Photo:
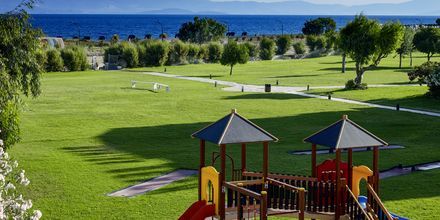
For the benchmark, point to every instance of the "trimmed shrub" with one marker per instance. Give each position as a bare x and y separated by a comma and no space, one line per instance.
129,54
193,52
215,51
203,53
283,44
300,47
267,48
321,42
351,85
54,61
178,53
75,58
141,54
252,49
156,52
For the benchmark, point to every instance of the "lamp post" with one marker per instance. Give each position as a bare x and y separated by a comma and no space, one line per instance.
79,30
161,26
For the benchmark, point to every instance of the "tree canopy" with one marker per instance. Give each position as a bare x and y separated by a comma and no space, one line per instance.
359,40
427,40
20,67
234,54
319,26
201,30
389,39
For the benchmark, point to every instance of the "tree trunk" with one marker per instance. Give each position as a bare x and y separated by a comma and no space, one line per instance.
230,73
429,58
400,60
344,57
410,59
359,74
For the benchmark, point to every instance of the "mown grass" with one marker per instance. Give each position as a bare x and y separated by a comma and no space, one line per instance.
90,134
323,71
406,96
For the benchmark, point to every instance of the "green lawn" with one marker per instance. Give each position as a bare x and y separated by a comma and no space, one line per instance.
90,134
323,71
406,96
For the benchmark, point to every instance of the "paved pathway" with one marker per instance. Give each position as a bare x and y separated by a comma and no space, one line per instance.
232,86
153,184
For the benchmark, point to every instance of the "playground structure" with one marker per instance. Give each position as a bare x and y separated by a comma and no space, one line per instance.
332,192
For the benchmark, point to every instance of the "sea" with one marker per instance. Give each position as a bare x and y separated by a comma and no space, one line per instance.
94,26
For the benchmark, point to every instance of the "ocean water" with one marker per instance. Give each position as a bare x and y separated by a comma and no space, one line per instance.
94,26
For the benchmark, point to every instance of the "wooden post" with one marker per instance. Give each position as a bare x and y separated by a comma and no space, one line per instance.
338,184
222,189
263,208
201,165
350,168
243,158
376,169
314,160
265,164
239,207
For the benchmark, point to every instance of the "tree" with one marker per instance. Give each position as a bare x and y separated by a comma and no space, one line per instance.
359,41
427,40
319,26
283,44
428,73
267,47
233,54
390,38
201,30
114,39
407,45
20,69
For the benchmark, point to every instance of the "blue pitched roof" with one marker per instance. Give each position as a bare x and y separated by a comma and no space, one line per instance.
233,129
345,134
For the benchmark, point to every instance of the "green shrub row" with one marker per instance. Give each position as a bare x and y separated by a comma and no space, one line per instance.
68,59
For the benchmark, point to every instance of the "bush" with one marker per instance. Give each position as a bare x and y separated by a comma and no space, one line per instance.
300,47
203,53
193,52
215,51
54,61
141,54
156,53
428,73
321,42
178,53
351,85
114,39
129,54
283,44
267,47
252,49
75,58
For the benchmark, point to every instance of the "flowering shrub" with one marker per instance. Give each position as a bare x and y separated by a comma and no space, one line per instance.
12,203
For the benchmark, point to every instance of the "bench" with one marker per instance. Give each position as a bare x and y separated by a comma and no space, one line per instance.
156,86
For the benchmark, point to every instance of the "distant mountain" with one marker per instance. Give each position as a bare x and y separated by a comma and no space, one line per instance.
287,7
177,11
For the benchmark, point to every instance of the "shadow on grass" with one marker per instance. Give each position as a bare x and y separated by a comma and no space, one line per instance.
139,89
379,68
294,76
140,152
276,96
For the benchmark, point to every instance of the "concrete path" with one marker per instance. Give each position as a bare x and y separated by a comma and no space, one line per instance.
153,184
236,87
398,171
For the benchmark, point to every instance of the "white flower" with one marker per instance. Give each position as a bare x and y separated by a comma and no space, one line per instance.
6,156
9,186
1,143
37,215
15,165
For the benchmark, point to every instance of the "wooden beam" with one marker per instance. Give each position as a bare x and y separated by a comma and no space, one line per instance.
243,158
350,168
201,165
338,184
314,160
222,182
265,163
376,168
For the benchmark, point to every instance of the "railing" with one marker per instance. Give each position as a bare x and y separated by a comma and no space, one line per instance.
249,204
354,209
376,206
294,201
319,197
